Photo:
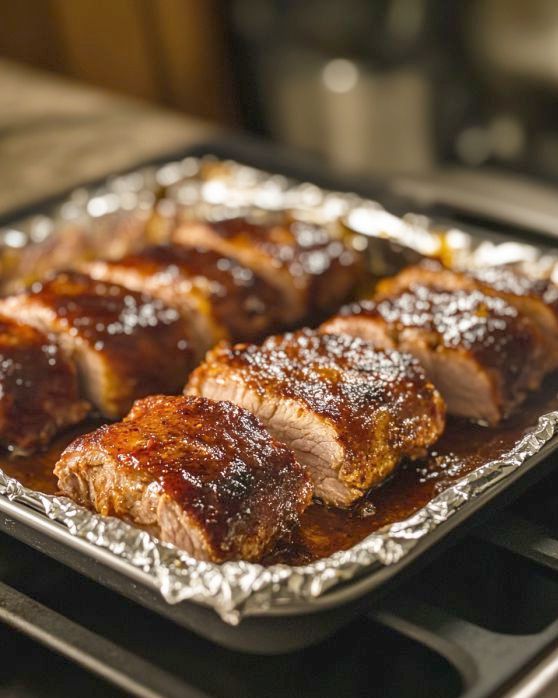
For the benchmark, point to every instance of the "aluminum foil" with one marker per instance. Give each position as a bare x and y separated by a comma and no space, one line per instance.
237,589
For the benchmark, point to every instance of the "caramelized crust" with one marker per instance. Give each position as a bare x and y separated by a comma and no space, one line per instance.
312,271
480,334
203,475
220,296
501,279
534,297
38,388
126,344
349,412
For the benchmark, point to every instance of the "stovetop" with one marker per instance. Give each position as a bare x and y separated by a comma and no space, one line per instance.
476,622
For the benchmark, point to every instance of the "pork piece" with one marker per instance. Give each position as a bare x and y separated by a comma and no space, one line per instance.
112,235
39,393
478,350
203,475
535,298
220,297
126,344
350,413
313,272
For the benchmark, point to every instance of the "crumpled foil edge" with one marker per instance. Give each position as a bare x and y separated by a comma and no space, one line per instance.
237,589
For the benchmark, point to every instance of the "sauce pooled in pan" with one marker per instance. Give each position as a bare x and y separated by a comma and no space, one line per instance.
323,531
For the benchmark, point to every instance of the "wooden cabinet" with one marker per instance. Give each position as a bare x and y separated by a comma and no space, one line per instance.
168,51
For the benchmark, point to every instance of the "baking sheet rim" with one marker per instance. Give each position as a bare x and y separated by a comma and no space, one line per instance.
237,589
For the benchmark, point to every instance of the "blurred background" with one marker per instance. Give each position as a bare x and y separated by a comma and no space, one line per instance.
372,86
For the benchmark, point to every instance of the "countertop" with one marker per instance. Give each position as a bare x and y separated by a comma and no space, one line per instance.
56,133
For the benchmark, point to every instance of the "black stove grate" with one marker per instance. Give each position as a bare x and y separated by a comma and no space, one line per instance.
471,624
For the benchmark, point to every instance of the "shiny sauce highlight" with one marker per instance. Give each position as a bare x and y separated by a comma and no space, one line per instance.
324,530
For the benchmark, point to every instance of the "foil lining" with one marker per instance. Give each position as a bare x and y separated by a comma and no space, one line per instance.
237,589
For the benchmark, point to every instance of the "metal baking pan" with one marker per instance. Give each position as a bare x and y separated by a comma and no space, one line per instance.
285,609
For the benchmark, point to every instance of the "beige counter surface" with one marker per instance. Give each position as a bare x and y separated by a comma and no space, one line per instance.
55,133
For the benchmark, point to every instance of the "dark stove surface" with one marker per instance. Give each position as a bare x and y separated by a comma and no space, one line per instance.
475,618
364,655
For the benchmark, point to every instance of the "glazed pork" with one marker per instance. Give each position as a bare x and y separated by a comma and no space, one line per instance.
312,272
350,413
126,344
203,475
537,298
39,392
478,350
218,296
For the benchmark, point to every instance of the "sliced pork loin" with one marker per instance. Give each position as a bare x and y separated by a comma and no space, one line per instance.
537,298
478,350
203,475
220,297
39,392
312,272
126,344
349,412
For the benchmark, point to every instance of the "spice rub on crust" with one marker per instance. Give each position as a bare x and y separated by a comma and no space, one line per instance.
312,271
536,298
126,344
478,350
204,475
220,297
348,411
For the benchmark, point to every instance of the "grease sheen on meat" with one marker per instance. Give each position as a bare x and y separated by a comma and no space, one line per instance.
203,475
219,296
478,350
312,271
126,344
39,393
349,412
537,298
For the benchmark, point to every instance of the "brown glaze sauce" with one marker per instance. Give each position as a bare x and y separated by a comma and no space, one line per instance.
323,531
463,448
38,388
237,486
241,300
487,327
35,471
344,380
144,343
306,249
508,279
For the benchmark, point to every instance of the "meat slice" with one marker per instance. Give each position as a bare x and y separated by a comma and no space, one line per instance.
220,297
349,412
203,475
39,393
478,350
313,272
110,235
534,297
126,344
